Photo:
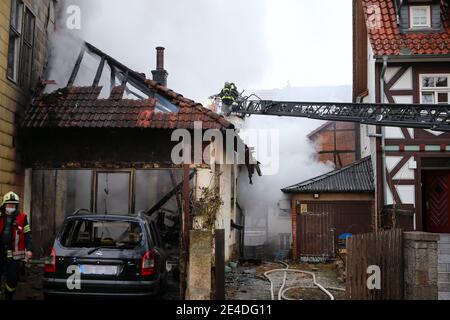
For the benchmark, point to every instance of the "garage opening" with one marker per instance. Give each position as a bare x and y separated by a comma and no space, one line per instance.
57,194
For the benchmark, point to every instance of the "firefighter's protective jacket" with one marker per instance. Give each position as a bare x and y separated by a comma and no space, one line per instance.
229,93
18,241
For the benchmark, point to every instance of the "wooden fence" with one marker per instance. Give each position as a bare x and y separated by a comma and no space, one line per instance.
382,249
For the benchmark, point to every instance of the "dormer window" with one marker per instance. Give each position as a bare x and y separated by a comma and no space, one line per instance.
420,17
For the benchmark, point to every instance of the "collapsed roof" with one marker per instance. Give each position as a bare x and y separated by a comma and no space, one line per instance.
156,106
131,102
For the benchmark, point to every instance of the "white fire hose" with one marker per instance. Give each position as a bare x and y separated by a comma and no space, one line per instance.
282,291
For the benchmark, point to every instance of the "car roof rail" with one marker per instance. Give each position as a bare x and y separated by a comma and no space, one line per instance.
81,210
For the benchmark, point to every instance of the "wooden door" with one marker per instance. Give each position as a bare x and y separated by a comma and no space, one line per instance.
315,236
437,201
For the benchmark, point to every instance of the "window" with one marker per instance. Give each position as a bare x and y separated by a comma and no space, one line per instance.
435,89
27,49
15,32
21,43
420,16
91,233
77,194
113,192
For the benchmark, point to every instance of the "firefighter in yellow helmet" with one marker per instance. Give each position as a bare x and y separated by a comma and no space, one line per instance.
15,242
229,94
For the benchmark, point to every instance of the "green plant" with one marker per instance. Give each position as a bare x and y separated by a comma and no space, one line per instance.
207,206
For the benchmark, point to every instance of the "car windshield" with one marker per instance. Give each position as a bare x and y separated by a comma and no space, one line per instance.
88,233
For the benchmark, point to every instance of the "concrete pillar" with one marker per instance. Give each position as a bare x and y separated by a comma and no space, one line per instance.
199,269
420,265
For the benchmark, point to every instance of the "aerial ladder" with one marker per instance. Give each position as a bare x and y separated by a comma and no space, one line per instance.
434,117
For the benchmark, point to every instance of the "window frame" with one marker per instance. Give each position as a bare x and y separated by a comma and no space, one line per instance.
95,186
29,44
16,32
434,90
411,17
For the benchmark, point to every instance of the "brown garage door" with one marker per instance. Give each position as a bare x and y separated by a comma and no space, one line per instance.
319,224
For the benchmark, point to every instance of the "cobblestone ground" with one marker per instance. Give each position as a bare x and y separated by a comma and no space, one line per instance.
247,282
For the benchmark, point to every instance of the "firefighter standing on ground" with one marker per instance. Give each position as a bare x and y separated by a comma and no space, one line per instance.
15,242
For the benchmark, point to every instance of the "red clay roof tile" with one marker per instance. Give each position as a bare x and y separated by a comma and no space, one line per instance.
386,38
80,107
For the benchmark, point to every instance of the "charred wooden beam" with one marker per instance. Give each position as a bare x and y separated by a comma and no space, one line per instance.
98,75
168,196
113,78
125,78
136,79
76,68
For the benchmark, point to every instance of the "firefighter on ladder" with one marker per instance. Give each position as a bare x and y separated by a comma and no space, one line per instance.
15,242
229,94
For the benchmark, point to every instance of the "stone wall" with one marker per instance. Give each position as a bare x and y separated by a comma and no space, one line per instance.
444,267
420,252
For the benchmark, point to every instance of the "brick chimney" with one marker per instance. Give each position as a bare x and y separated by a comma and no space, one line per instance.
160,75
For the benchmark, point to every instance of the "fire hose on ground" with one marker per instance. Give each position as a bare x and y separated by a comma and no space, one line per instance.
282,292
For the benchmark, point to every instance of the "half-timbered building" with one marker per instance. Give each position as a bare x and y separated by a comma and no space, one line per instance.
402,55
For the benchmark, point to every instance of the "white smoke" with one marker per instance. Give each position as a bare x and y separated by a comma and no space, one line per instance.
297,162
210,42
207,42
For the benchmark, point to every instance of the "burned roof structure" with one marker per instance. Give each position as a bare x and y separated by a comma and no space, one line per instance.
156,105
119,119
355,178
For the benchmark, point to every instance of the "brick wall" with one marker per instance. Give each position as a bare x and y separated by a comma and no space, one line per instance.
336,143
13,98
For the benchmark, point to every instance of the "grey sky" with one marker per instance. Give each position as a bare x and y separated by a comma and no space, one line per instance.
256,43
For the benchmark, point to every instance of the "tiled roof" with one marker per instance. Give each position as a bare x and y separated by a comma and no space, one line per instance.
387,39
357,177
80,107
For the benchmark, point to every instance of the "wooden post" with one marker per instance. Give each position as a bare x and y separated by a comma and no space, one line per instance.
184,237
186,205
220,264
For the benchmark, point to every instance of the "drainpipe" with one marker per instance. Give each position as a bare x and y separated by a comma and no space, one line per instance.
383,132
381,136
